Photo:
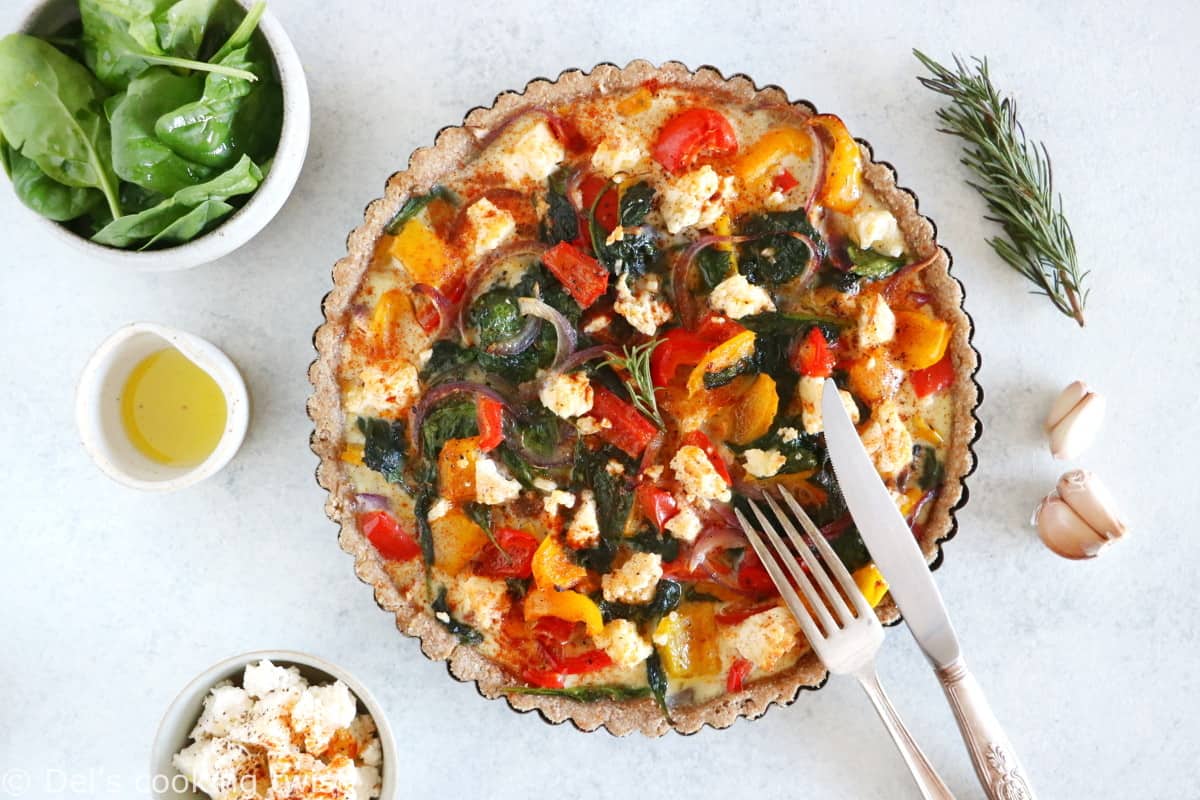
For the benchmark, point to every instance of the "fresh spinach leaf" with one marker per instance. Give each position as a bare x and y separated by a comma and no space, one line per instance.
181,27
51,112
633,254
243,178
803,451
585,694
745,366
693,595
384,446
714,265
204,130
793,325
448,359
636,202
441,611
453,418
775,256
243,32
851,548
495,317
416,204
656,677
871,265
43,194
521,471
598,559
139,156
927,467
614,500
421,505
195,222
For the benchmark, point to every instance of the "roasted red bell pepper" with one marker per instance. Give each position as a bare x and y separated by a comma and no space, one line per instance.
393,543
606,209
489,414
701,440
785,181
753,577
515,560
582,276
691,134
591,661
656,505
678,348
717,328
627,429
813,356
933,379
738,671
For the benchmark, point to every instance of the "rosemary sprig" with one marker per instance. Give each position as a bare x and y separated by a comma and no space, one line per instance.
1015,179
636,361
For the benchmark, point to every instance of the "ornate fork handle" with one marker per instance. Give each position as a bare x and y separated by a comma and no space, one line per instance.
995,760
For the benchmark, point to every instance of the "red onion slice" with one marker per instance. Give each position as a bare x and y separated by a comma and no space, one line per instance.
581,357
435,396
438,301
715,539
818,173
371,502
567,339
480,275
519,343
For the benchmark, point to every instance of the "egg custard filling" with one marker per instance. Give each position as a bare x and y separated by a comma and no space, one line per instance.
572,358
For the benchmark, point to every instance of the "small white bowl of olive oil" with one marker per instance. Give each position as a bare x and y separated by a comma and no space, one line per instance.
159,409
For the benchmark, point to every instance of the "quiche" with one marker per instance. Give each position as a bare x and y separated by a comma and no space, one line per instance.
583,327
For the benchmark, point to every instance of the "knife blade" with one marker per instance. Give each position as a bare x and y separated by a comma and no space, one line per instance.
893,547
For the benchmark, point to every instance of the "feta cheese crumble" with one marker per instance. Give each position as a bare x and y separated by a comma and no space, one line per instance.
763,463
685,525
567,394
383,390
699,478
490,226
618,152
642,307
530,154
491,487
736,297
276,736
876,229
695,199
623,644
634,581
584,530
810,390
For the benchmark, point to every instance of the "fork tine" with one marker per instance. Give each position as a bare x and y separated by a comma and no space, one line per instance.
829,556
815,603
807,624
821,573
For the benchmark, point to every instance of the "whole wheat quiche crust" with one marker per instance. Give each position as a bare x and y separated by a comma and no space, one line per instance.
452,148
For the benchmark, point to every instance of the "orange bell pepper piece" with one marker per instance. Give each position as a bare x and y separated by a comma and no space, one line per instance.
456,470
753,414
920,341
553,567
757,162
843,165
385,321
422,252
568,605
456,541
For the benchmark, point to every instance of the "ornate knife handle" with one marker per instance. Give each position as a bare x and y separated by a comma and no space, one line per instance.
995,760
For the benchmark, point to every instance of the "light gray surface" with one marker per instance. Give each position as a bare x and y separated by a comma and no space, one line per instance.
113,600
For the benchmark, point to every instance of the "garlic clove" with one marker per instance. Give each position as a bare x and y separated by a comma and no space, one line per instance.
1072,434
1088,497
1065,532
1066,400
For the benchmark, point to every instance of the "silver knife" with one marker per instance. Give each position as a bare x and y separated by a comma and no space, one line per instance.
895,552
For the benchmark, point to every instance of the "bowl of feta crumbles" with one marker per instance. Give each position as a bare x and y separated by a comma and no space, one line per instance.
274,724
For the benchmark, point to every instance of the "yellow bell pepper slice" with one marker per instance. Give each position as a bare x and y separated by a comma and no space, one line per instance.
687,641
769,150
568,605
923,430
385,321
871,583
723,356
422,252
353,454
456,470
724,227
636,103
843,165
920,341
456,541
753,414
553,567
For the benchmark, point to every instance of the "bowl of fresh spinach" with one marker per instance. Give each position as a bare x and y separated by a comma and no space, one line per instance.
158,134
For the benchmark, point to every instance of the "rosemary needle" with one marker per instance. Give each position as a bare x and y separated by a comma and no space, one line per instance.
1014,177
636,361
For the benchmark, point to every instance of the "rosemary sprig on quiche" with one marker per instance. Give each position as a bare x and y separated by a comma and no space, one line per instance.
1015,178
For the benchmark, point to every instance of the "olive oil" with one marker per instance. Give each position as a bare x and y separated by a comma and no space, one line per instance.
172,410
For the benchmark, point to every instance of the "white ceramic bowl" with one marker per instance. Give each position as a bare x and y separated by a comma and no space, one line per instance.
98,406
260,208
181,717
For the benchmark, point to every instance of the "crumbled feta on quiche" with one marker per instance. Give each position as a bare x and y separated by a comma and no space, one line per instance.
634,581
278,735
876,322
765,638
876,229
617,153
763,463
623,644
695,199
490,226
642,306
567,394
491,487
736,297
887,439
584,530
698,477
530,153
685,525
810,389
383,390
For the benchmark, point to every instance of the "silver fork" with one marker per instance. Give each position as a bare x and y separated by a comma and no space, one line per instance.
847,645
